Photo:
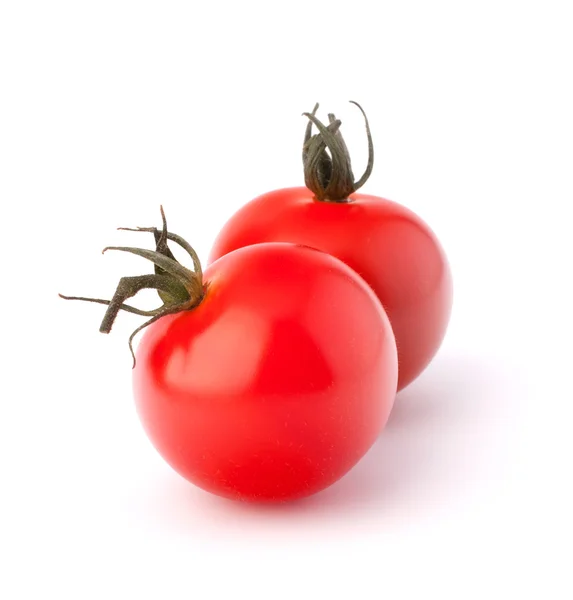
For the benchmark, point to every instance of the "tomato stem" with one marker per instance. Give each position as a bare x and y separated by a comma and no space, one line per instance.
178,287
328,174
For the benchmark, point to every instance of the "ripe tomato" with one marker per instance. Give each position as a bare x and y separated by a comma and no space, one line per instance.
387,244
266,378
276,383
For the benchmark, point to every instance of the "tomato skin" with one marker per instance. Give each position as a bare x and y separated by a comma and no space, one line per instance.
387,244
277,383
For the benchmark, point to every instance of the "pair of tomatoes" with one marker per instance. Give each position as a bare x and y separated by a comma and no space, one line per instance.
269,376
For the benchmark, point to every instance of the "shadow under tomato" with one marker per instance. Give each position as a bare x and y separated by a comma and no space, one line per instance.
444,431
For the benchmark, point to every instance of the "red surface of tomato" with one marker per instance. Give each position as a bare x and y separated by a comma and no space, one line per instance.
387,244
277,383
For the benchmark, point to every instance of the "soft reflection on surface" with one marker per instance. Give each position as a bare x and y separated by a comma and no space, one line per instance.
236,361
295,363
351,353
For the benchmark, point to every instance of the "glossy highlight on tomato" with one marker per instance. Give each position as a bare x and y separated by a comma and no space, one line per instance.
276,383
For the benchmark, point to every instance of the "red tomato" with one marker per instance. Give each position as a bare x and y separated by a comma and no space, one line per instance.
387,244
277,383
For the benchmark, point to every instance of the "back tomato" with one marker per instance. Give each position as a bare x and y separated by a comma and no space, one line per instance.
387,244
277,383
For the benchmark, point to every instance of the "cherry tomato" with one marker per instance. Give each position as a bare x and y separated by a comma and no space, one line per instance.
387,244
276,383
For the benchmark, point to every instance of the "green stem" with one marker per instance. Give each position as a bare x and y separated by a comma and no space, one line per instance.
328,174
179,288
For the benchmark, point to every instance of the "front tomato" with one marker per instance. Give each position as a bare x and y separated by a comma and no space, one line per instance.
277,383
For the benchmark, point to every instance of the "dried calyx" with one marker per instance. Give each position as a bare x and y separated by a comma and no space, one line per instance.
178,287
329,173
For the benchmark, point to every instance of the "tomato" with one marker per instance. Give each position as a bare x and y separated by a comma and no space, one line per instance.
387,244
267,377
276,383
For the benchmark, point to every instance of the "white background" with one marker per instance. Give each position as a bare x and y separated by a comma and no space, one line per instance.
108,109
